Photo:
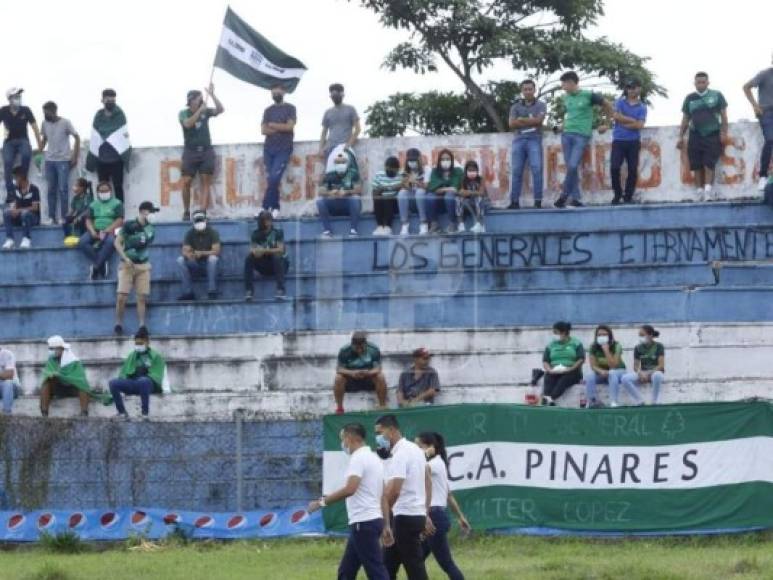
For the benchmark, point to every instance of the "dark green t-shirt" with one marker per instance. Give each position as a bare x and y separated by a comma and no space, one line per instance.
198,135
269,240
705,112
564,353
202,241
80,203
648,354
136,241
104,213
350,360
601,359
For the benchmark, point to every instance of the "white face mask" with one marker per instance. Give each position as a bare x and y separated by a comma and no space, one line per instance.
643,340
140,348
602,339
51,352
104,195
413,165
341,168
445,164
472,175
200,226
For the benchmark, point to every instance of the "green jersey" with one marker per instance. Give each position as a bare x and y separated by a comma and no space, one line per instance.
198,135
648,355
601,359
564,353
268,240
705,111
136,241
350,360
579,111
104,213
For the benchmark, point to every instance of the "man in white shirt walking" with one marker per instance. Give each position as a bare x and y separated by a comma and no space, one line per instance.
408,495
365,505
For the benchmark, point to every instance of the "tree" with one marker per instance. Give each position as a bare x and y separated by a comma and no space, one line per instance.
538,38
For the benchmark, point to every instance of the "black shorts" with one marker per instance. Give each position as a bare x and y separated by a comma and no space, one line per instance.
198,160
359,385
703,151
60,390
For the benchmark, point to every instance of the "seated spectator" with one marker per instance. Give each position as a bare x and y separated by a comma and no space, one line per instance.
9,379
419,383
104,218
64,376
22,209
143,372
386,184
200,256
340,191
133,246
649,365
267,255
562,361
413,193
606,366
444,184
473,198
80,204
359,369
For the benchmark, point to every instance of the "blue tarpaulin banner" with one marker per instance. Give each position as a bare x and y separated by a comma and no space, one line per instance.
154,523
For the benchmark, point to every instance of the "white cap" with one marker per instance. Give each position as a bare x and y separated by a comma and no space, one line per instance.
13,91
57,341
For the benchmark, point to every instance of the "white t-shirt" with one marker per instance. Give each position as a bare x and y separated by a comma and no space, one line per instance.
365,504
8,362
439,482
409,464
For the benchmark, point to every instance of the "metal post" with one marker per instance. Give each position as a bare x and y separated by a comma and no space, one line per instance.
239,486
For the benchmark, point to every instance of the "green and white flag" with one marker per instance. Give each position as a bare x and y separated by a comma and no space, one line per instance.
250,57
662,469
70,371
110,129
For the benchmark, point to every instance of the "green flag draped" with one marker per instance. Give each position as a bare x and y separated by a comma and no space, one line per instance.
73,373
155,364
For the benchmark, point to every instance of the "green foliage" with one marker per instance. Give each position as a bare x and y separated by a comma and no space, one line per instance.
49,572
65,543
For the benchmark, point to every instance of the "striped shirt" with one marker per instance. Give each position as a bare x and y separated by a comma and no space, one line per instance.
387,186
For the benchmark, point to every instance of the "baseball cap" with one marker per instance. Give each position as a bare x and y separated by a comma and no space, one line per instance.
632,83
13,91
421,352
57,341
148,206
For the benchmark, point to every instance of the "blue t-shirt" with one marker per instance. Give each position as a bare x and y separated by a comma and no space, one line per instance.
637,111
279,113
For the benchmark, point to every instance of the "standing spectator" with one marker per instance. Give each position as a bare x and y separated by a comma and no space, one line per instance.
59,158
198,154
80,206
359,369
143,372
109,146
473,198
630,116
278,126
763,110
704,113
408,495
268,256
363,492
340,192
105,217
200,256
526,118
15,118
340,124
419,383
385,187
606,366
9,379
444,184
562,360
434,447
413,192
65,376
577,133
133,245
649,365
22,209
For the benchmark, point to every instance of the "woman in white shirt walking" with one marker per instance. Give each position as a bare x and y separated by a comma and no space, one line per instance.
434,447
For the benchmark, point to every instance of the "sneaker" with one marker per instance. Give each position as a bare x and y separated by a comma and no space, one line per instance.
699,194
477,228
186,297
105,270
275,213
353,233
85,413
560,203
92,273
280,293
121,417
423,229
404,231
762,183
379,231
326,235
452,228
44,413
628,199
536,375
514,205
144,418
118,330
26,243
212,295
462,228
248,297
576,203
434,228
340,411
710,195
186,216
538,204
616,200
8,245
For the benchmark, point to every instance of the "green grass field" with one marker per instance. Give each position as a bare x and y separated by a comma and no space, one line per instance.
483,557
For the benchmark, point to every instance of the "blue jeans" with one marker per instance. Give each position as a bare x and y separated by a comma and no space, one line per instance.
592,379
766,123
276,163
10,392
573,146
142,387
412,197
437,543
631,383
26,219
437,202
58,178
363,549
526,149
12,148
339,206
192,268
99,255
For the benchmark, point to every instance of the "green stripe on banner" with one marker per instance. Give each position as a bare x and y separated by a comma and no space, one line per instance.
639,469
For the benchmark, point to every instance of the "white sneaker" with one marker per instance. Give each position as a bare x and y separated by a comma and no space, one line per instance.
379,231
326,235
477,228
404,230
25,244
353,233
423,229
8,245
275,214
709,193
460,228
699,194
762,184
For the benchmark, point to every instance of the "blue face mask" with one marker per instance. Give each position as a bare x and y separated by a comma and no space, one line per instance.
382,442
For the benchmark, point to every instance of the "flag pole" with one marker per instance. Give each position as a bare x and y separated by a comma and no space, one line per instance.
211,76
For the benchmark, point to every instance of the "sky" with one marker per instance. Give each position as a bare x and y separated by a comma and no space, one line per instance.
152,53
